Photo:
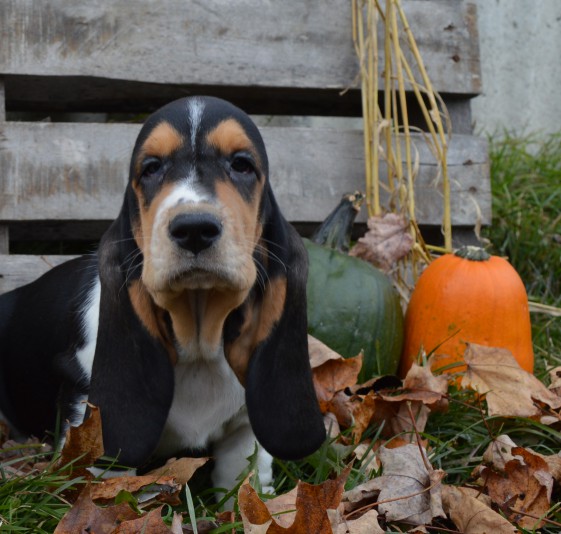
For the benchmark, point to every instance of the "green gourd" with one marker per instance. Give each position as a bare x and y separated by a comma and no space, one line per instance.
352,306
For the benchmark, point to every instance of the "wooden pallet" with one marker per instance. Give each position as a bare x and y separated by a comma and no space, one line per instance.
63,180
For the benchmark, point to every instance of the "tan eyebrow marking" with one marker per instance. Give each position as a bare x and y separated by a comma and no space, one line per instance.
229,137
163,140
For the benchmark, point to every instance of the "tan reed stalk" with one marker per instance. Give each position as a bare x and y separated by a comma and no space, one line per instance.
393,128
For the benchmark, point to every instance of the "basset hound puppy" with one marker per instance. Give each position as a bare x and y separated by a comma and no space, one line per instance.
187,328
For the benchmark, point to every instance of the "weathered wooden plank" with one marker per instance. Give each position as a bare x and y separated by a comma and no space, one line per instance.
18,270
294,43
4,230
71,171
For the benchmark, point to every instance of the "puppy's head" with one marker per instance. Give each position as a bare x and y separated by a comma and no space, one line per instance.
204,250
198,173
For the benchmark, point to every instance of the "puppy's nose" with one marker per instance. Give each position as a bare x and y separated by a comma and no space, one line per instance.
195,232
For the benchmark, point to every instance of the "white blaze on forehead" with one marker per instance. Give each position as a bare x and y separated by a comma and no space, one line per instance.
195,108
185,192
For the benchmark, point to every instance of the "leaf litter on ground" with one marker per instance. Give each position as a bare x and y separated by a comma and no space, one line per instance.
389,481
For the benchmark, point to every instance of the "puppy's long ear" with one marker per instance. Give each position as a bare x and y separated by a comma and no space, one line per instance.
281,401
132,376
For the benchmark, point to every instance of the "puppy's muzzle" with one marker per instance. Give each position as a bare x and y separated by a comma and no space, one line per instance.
195,232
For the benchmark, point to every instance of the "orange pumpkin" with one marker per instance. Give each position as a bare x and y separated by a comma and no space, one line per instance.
469,296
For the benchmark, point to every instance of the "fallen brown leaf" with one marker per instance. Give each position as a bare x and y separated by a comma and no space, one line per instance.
471,515
84,442
386,241
523,488
365,524
555,378
333,376
421,379
500,451
181,469
85,516
162,488
320,352
408,490
283,508
151,523
509,390
313,506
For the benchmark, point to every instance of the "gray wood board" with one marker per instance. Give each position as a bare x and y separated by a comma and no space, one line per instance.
294,43
18,270
72,171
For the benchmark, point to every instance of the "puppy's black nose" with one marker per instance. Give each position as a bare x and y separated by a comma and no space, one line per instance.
195,231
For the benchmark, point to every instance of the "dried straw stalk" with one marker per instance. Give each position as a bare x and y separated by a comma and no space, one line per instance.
387,135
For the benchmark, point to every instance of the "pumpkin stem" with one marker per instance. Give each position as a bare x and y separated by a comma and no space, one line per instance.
472,253
335,231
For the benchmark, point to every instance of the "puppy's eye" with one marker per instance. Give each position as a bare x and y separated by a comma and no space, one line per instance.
151,167
242,164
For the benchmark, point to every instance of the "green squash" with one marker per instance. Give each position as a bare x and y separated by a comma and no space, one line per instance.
352,306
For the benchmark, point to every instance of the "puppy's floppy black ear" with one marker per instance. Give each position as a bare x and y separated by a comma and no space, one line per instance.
280,396
132,376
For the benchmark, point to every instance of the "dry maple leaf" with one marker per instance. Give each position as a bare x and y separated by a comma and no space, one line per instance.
509,390
524,487
471,515
312,504
386,241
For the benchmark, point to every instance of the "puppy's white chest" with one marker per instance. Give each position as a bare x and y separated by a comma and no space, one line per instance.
207,395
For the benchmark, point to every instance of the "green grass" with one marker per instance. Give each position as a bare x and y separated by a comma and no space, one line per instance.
526,185
34,502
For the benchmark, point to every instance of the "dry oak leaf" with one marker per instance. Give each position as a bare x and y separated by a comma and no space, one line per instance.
85,516
509,390
471,515
163,488
181,469
523,488
408,490
84,442
312,504
386,241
